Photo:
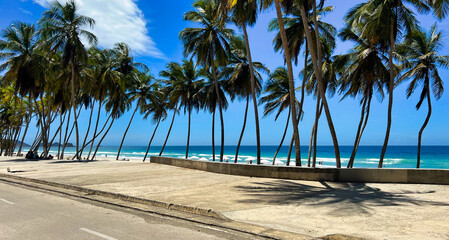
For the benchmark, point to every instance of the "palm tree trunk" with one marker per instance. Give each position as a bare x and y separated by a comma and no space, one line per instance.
72,84
316,60
315,132
253,91
213,135
283,137
290,81
102,138
88,130
126,131
364,125
151,140
429,112
290,151
220,106
61,122
357,135
310,145
24,134
390,93
96,127
243,129
188,132
169,130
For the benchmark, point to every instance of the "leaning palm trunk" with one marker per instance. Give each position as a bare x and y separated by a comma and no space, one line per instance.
188,132
310,146
213,135
88,130
359,136
290,81
24,134
220,106
253,92
126,132
243,129
283,137
96,127
61,156
317,63
315,132
72,84
102,138
61,122
169,130
290,151
151,140
359,128
390,94
429,112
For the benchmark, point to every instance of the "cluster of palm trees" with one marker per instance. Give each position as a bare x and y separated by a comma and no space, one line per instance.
50,74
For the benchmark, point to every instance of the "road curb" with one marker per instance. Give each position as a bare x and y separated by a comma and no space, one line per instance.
154,203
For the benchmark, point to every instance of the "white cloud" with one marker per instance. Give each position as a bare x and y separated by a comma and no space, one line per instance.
117,21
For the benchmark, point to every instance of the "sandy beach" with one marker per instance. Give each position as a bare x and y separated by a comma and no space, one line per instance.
372,211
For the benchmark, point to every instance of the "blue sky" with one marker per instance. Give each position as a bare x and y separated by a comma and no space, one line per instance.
151,28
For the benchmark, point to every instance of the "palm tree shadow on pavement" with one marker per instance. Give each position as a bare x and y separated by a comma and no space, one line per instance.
348,198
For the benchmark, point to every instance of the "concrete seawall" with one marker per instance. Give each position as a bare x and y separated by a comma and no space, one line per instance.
374,175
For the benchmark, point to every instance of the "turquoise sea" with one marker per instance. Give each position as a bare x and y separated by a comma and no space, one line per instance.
367,156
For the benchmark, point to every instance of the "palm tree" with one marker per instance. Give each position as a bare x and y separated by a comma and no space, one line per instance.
208,43
329,83
277,98
139,91
440,8
364,74
239,75
288,59
183,83
294,28
157,106
387,19
244,12
422,61
104,76
209,99
63,28
22,60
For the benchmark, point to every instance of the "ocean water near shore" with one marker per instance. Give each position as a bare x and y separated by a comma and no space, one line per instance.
367,156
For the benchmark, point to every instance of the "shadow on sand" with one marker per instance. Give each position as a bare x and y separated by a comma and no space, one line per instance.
348,198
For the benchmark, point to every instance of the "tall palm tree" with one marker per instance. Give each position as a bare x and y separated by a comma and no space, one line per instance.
21,59
364,73
102,70
244,12
239,75
422,61
209,43
387,19
277,99
138,92
183,82
62,25
209,99
294,28
157,106
329,83
288,59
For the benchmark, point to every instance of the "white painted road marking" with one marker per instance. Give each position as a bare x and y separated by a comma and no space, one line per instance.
6,201
97,234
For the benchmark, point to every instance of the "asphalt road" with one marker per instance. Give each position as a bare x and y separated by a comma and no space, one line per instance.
29,214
